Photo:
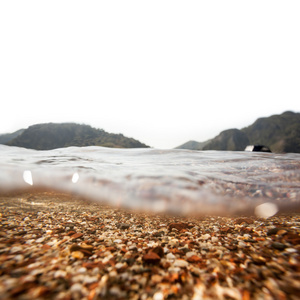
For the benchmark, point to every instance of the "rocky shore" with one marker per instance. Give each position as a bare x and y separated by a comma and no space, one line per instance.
55,246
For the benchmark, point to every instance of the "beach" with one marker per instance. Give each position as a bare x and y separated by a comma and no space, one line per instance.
58,246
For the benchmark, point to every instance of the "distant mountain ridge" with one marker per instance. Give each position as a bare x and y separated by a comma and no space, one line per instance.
5,138
193,145
59,135
281,133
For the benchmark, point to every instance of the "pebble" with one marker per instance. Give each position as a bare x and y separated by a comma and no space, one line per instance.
214,239
180,263
76,287
60,273
205,237
117,241
40,240
205,258
151,258
158,296
189,254
242,244
278,246
123,226
170,256
173,242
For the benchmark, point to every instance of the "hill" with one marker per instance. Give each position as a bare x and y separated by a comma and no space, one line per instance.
231,139
281,133
51,136
193,145
5,138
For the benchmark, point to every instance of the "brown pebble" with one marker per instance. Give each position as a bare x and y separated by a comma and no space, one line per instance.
77,254
151,258
85,249
76,235
159,251
123,226
243,220
278,246
179,226
194,259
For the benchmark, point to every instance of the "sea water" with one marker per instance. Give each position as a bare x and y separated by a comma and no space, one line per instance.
176,181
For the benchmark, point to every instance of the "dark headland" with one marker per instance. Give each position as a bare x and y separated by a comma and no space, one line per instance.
281,133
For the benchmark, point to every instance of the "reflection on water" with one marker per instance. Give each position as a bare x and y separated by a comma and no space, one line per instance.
160,180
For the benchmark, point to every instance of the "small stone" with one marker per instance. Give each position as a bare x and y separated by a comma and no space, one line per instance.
189,254
120,265
273,231
243,220
40,240
123,226
158,234
117,241
82,270
60,273
116,292
159,251
278,246
77,254
76,235
156,278
205,237
214,239
170,256
181,263
173,242
151,258
291,250
194,259
39,292
242,244
281,232
158,296
76,287
258,260
179,226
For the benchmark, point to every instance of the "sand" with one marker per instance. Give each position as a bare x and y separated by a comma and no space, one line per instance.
56,246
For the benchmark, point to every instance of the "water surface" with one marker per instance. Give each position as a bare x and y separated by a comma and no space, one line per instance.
180,181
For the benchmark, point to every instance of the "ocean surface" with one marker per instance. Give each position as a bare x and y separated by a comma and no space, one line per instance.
172,181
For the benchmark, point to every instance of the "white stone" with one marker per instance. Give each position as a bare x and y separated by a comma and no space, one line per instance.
170,256
82,270
180,263
76,287
205,237
40,240
191,253
158,296
242,244
60,273
173,242
117,241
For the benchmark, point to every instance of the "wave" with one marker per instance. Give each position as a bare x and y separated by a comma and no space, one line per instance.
176,181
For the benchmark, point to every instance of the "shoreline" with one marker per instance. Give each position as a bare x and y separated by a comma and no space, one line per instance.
58,246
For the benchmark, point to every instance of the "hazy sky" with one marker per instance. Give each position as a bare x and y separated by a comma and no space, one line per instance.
163,72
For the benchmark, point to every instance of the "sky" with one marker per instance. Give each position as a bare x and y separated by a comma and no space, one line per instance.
162,72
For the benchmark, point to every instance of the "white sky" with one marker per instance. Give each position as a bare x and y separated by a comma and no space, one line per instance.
163,72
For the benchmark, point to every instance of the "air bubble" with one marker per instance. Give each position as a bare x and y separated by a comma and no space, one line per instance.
75,177
266,210
27,176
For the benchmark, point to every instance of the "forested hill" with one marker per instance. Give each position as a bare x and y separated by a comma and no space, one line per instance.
281,133
58,135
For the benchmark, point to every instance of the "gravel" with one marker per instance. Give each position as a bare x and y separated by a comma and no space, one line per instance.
60,247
